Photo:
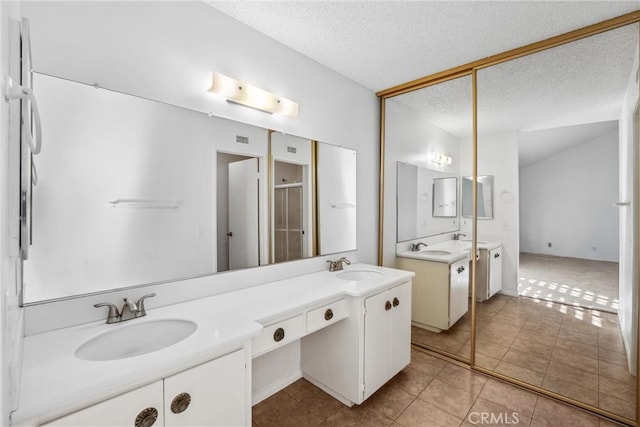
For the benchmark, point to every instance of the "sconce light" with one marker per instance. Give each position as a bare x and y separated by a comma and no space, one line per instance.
440,159
238,92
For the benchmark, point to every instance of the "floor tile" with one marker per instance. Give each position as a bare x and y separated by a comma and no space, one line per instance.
526,360
573,375
509,396
573,391
449,398
486,412
550,413
424,414
520,373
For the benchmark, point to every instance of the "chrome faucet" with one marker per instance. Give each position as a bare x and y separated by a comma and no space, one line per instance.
456,236
415,247
337,265
130,310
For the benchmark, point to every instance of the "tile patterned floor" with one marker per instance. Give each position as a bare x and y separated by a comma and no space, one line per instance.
572,351
429,392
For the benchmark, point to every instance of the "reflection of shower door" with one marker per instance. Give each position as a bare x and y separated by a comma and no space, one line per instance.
288,222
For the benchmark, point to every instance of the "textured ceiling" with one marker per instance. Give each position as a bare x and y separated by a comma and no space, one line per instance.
380,44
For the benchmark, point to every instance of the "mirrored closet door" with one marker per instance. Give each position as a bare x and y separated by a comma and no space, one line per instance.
542,146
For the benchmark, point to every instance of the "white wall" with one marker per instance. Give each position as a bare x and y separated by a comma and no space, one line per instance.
410,139
166,51
567,199
498,156
10,314
629,158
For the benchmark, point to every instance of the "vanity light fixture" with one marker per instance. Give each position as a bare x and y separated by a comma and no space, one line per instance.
441,159
238,92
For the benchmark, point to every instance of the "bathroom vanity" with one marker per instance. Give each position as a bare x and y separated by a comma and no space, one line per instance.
354,327
441,285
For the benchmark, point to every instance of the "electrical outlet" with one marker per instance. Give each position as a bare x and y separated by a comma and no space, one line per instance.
548,244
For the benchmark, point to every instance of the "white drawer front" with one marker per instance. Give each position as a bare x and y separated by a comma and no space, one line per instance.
327,315
278,334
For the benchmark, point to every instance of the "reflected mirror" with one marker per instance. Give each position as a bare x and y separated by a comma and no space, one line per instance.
556,129
131,191
427,142
485,197
424,195
445,197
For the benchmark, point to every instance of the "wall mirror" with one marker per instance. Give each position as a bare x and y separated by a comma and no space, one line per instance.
424,196
557,140
427,143
132,191
485,197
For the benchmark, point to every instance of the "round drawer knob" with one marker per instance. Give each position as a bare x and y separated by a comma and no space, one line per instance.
328,315
147,417
396,302
180,403
278,335
387,306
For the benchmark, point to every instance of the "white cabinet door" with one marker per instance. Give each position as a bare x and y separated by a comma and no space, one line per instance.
387,336
458,290
495,271
377,348
400,328
216,394
120,411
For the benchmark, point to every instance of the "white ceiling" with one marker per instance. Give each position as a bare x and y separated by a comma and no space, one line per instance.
538,145
380,44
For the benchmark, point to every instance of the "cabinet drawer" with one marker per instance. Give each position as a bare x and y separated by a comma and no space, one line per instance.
278,334
327,315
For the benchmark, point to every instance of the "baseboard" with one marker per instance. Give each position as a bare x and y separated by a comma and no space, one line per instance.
509,293
276,387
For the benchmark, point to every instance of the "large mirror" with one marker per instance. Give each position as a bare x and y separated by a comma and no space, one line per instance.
130,191
558,122
556,167
428,145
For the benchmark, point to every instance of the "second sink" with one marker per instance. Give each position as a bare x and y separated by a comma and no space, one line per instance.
136,339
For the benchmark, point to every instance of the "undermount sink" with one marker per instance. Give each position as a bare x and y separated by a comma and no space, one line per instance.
134,340
435,252
358,275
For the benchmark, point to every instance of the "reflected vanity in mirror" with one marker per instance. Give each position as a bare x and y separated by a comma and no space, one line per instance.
485,197
132,191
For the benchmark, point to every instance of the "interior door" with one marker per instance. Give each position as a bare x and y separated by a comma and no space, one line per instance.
243,214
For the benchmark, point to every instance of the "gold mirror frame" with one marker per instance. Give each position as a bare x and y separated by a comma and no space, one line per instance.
471,69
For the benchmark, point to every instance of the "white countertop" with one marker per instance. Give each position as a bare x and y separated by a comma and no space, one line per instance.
457,250
54,382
